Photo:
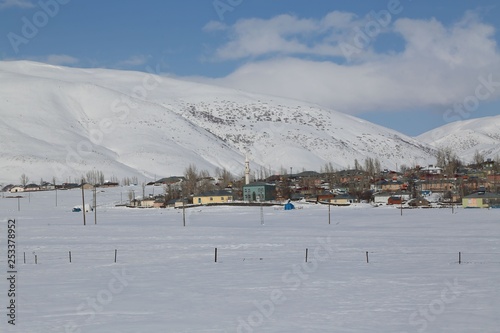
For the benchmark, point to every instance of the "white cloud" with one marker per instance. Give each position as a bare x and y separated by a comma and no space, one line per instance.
60,59
287,35
16,3
52,59
214,26
439,66
136,60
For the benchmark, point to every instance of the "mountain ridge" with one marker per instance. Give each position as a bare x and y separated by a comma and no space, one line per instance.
467,137
62,122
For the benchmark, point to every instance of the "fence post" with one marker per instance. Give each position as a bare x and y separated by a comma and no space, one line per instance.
307,250
24,255
367,259
70,257
36,259
459,258
115,254
215,254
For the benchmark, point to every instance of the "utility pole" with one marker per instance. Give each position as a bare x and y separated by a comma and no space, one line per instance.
401,199
83,205
55,187
329,218
95,204
183,212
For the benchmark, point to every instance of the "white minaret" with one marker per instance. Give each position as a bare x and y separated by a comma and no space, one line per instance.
247,171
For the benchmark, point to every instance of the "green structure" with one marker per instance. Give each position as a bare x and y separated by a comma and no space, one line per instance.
482,200
259,192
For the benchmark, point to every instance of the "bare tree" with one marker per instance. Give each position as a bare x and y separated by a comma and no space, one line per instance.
404,169
496,165
478,158
191,176
357,166
24,179
448,160
225,177
95,177
377,166
329,174
205,182
328,168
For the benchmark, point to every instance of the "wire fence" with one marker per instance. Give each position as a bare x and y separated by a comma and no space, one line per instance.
228,255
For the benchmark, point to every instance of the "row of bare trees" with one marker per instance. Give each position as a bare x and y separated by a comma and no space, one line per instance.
199,181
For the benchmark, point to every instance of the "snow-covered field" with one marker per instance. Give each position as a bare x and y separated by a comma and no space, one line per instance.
165,278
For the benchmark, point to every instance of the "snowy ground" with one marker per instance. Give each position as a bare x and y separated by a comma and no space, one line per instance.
166,280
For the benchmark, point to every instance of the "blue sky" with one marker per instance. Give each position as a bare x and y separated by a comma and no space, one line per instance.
409,65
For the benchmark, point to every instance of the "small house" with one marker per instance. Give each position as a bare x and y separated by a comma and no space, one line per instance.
7,188
385,197
87,186
381,197
160,202
109,184
147,203
16,189
46,186
31,188
481,199
69,186
432,170
325,197
176,203
393,185
343,200
395,200
213,197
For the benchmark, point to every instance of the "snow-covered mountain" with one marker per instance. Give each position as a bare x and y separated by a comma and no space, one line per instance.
63,122
467,136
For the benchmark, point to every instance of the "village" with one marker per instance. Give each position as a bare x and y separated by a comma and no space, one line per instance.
473,186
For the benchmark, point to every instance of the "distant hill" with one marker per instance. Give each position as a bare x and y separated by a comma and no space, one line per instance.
63,122
466,137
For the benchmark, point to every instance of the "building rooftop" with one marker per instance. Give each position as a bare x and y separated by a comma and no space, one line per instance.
487,195
215,194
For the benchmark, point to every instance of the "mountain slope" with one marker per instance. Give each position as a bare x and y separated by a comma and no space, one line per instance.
63,122
468,136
